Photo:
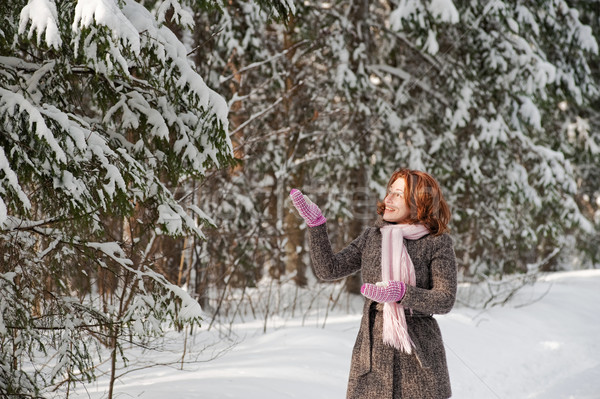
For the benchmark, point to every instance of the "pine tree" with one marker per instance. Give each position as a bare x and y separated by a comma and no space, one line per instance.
103,120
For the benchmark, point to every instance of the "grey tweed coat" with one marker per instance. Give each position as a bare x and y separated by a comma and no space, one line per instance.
379,371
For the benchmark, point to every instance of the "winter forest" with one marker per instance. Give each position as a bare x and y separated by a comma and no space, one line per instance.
147,150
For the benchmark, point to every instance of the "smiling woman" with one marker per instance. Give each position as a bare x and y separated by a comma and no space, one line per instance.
408,265
415,197
396,208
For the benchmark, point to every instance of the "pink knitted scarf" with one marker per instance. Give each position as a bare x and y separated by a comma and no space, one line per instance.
397,265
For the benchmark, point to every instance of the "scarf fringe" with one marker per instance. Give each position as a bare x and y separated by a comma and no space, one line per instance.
395,333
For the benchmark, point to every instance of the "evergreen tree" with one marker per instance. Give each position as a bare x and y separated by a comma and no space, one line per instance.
103,119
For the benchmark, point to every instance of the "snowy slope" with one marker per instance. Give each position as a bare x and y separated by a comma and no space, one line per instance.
544,344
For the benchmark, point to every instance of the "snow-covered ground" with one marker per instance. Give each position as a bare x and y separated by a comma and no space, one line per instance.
543,344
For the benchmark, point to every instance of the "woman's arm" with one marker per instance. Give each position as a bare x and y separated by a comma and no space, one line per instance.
440,298
329,266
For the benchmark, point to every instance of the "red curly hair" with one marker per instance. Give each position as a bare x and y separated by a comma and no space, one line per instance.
424,199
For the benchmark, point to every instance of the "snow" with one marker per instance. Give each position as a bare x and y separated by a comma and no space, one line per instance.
13,181
586,39
111,249
444,10
431,45
406,9
15,104
170,46
460,116
179,15
542,344
107,13
525,17
3,212
132,25
43,17
169,218
530,113
115,180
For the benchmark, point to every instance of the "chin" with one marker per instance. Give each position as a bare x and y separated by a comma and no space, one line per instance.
389,218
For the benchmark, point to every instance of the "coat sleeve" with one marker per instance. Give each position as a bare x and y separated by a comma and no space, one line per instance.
328,265
440,298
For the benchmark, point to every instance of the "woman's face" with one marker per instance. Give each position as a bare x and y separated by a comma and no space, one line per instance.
395,204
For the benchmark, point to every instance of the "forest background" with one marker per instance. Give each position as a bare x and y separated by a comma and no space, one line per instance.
147,151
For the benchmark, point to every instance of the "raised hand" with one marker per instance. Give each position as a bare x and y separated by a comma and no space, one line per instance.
309,211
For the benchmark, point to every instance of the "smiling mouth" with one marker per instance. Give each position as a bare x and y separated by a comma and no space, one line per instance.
387,209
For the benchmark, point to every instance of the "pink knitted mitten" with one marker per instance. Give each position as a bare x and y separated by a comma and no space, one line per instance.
392,291
307,209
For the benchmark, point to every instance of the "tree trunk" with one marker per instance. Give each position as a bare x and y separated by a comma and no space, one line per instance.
295,237
113,362
360,176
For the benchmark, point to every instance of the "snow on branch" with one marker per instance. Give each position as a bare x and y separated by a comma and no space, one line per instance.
202,215
171,51
106,13
111,249
444,10
586,39
16,105
11,178
43,18
175,219
179,16
406,9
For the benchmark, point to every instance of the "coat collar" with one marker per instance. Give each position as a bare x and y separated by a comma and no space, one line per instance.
379,223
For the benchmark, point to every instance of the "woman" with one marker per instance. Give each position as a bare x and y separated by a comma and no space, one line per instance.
408,267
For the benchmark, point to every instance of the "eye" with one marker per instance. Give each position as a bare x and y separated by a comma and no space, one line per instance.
395,194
